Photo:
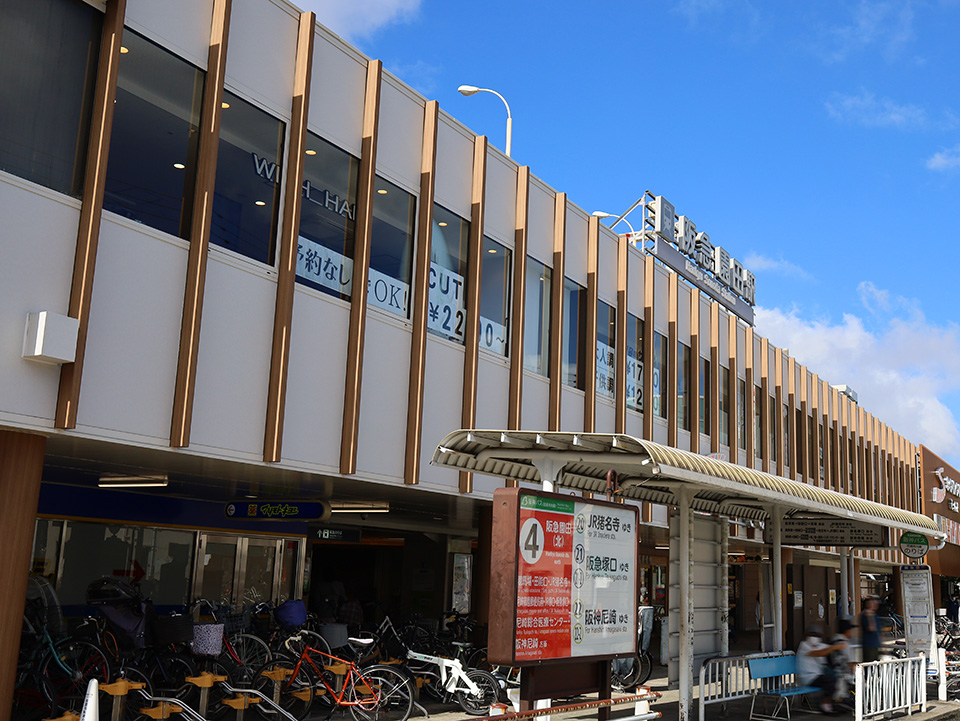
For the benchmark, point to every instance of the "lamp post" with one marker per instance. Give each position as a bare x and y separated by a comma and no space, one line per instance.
601,214
468,90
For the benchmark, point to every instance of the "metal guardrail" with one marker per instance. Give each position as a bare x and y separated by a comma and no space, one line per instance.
896,684
727,678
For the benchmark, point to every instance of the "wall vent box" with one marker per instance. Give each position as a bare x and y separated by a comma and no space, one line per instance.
50,338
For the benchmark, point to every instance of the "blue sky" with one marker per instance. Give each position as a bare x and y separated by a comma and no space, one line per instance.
818,142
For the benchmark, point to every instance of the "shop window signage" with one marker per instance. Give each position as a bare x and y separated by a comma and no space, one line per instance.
277,510
947,485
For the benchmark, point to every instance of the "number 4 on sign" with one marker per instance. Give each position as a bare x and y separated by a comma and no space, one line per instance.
531,540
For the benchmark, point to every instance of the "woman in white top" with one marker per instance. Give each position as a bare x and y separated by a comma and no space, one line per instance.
812,667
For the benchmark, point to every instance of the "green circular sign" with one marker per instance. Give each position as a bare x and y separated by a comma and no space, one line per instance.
914,545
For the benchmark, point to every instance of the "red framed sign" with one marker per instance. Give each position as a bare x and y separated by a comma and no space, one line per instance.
563,582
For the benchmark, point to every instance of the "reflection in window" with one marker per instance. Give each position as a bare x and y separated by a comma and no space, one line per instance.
447,313
683,387
495,296
536,331
153,144
246,202
391,248
328,218
786,435
704,399
724,406
772,405
634,363
606,349
757,425
659,375
742,413
575,334
48,68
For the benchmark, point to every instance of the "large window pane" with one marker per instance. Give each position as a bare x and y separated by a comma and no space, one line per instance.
786,436
659,375
606,349
683,387
247,196
705,391
153,144
448,272
574,334
742,413
772,421
724,391
634,363
536,331
495,296
391,248
757,411
48,68
328,218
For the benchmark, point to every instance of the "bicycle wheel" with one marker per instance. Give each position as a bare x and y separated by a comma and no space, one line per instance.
380,693
71,665
244,653
625,673
34,697
478,704
168,673
134,701
289,688
645,666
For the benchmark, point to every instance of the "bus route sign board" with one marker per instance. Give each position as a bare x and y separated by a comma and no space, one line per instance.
829,531
563,578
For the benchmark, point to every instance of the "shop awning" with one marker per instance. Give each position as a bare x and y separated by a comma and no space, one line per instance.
648,471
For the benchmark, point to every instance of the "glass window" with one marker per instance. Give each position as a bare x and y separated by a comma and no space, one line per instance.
634,363
246,201
683,387
820,452
536,332
450,237
757,426
46,549
724,406
391,248
801,452
742,413
48,66
772,405
328,218
659,375
153,144
495,265
786,435
574,334
705,392
606,349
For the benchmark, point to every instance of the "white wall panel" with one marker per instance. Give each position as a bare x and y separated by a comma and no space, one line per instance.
233,364
661,301
634,424
133,341
635,282
262,53
571,410
313,414
540,222
484,486
182,26
683,313
400,135
454,179
606,418
493,393
704,326
724,339
383,400
659,431
337,89
40,241
442,405
575,246
607,267
501,198
535,411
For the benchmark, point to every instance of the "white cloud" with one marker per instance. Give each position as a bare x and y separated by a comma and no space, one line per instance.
906,373
888,25
353,19
762,263
864,108
946,159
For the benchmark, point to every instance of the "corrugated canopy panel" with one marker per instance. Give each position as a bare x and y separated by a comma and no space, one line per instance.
648,471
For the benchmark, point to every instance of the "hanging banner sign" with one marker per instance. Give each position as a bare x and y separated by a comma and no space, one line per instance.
564,578
277,510
829,531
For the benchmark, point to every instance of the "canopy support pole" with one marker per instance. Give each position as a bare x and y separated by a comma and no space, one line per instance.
685,664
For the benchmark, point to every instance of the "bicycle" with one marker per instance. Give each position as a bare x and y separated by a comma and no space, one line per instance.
627,674
242,653
374,693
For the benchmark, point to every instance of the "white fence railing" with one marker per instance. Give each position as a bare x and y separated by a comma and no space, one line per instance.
725,678
898,684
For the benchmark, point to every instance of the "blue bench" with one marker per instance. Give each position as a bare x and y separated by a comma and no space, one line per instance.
777,675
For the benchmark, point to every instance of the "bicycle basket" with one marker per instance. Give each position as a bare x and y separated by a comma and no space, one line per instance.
236,622
208,639
173,629
291,614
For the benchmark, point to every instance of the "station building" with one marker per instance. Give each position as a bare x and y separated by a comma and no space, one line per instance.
251,279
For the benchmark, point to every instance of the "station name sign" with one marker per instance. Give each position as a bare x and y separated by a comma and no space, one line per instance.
277,510
675,241
563,578
829,532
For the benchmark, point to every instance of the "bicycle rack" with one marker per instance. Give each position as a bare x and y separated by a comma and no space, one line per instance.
249,694
204,682
119,690
168,706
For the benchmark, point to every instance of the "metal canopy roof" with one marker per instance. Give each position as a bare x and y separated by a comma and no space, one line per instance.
651,472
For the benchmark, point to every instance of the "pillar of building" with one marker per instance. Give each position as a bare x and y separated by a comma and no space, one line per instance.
21,467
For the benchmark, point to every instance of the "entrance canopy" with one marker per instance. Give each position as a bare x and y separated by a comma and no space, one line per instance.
648,471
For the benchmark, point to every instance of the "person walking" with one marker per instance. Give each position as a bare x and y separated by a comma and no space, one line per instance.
813,669
869,631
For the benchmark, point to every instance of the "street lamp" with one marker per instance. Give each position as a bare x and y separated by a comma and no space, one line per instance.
468,90
601,214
